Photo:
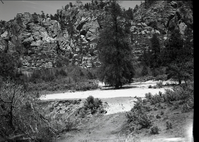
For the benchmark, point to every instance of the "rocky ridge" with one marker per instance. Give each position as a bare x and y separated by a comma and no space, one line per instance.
161,17
45,41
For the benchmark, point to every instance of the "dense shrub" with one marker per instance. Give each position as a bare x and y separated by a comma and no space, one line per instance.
148,95
21,117
91,107
141,116
155,99
7,66
144,70
154,130
94,105
62,79
159,84
87,85
178,93
139,119
138,116
168,125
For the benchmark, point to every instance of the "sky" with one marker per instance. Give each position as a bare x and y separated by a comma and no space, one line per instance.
10,8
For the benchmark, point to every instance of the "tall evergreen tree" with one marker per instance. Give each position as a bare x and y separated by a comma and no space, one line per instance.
114,51
178,56
155,52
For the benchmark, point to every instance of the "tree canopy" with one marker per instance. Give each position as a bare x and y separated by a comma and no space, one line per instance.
114,50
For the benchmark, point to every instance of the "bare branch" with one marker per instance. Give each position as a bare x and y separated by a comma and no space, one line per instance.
2,1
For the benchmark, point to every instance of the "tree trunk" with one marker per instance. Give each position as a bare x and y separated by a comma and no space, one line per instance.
179,81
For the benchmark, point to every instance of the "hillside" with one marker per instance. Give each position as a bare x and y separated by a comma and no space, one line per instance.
42,41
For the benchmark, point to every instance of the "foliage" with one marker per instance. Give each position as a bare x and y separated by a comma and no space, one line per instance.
180,71
84,86
128,13
94,105
142,114
178,56
145,58
154,130
155,99
138,116
144,70
154,52
114,50
179,93
159,84
7,66
168,125
61,79
148,96
61,114
21,118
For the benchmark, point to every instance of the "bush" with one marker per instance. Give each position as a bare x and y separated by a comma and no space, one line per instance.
62,79
168,125
154,130
159,84
87,85
161,77
7,66
180,93
148,96
138,115
155,99
21,115
139,119
144,71
94,105
61,72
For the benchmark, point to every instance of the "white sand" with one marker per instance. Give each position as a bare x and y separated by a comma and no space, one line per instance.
138,89
132,92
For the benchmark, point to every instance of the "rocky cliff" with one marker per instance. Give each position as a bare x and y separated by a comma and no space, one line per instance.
43,40
161,17
72,38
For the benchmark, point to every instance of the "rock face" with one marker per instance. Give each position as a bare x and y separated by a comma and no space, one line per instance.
161,17
44,40
74,36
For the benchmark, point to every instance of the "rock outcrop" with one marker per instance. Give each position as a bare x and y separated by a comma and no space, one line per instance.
161,17
74,34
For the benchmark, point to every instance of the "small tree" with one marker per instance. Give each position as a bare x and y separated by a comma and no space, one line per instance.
174,46
7,66
114,50
144,70
145,58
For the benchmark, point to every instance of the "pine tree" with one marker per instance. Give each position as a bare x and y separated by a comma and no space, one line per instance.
129,13
178,57
174,46
114,51
155,52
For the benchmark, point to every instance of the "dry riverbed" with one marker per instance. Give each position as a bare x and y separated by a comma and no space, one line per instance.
110,127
